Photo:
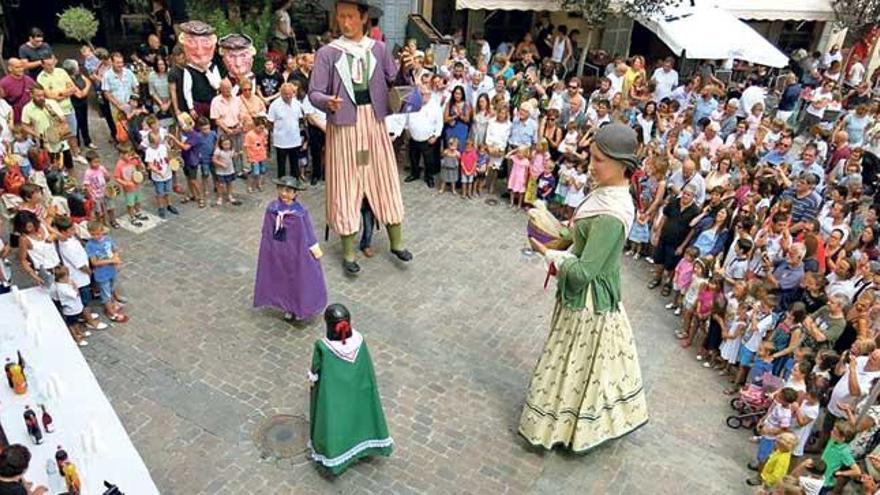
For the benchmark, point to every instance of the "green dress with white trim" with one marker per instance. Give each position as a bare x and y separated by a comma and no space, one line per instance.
346,418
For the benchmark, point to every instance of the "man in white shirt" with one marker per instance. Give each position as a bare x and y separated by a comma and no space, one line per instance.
665,79
858,374
480,84
617,76
856,74
687,175
425,128
832,56
285,113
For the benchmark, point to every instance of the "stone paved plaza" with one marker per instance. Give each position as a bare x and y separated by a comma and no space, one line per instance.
454,336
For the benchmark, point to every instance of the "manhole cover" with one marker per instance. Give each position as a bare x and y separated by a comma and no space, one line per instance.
282,436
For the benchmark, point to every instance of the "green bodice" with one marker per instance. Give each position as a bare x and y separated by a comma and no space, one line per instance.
598,244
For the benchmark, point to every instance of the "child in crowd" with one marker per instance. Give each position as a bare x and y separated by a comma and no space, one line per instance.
124,173
22,145
777,463
71,304
736,267
73,256
540,156
804,415
104,258
546,183
468,168
95,180
775,422
706,297
566,169
689,301
577,183
519,169
156,157
224,168
198,149
810,474
732,339
839,462
684,275
256,146
752,347
449,165
483,159
716,325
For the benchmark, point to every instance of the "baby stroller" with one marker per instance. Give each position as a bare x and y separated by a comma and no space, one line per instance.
753,401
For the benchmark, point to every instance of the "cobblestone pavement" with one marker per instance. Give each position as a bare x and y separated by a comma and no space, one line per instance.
454,336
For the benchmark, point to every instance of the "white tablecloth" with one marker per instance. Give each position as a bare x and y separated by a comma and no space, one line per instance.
80,410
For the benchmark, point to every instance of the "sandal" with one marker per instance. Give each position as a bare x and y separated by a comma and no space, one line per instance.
654,283
115,224
235,202
685,344
118,317
666,291
201,203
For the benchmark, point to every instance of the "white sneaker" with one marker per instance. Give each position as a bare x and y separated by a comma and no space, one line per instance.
670,306
677,312
95,316
83,343
99,326
649,259
288,316
87,333
636,256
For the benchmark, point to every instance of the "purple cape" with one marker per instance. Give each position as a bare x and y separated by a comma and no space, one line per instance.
288,276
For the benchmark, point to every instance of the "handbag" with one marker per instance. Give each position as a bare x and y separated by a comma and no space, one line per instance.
121,132
58,131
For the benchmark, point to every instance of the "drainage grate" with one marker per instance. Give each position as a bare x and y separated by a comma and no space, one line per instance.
282,436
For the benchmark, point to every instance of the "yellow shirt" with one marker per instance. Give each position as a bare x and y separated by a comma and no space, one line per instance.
56,82
629,78
40,119
776,467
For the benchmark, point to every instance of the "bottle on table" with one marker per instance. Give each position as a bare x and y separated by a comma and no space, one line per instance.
47,420
71,478
33,426
60,457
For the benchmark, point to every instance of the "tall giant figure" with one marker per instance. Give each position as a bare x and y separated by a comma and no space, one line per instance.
351,82
587,385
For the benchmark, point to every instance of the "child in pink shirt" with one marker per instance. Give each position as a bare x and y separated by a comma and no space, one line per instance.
684,274
468,169
540,156
95,181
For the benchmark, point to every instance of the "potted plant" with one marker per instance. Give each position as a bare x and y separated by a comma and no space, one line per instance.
78,23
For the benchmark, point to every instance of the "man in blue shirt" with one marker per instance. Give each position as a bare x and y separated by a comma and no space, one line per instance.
808,163
779,154
524,129
705,105
802,193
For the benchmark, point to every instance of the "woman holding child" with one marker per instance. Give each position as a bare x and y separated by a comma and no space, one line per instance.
587,386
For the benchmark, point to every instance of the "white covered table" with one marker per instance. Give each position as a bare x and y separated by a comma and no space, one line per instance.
85,423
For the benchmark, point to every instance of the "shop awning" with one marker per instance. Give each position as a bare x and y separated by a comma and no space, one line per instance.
777,10
713,33
537,5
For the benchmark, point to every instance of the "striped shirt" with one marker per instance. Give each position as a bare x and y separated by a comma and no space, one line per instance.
805,208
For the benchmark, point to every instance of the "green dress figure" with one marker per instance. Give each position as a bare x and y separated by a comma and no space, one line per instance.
587,386
346,418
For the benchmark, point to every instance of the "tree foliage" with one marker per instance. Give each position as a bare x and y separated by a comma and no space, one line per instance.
856,15
78,23
596,11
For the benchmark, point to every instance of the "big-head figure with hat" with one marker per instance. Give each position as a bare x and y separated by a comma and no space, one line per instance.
351,81
237,52
201,77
